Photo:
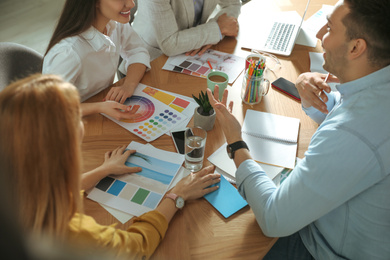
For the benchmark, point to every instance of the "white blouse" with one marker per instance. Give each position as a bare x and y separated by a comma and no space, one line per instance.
90,60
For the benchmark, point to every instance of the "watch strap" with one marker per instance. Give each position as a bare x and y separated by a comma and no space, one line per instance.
171,196
236,146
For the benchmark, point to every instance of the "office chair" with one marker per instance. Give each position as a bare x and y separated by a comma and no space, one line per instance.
16,62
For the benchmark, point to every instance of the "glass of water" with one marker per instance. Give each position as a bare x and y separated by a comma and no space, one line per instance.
195,142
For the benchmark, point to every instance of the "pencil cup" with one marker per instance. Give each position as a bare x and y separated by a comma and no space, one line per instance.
254,87
254,57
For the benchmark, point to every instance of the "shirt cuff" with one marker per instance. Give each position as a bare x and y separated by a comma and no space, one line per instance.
220,34
246,168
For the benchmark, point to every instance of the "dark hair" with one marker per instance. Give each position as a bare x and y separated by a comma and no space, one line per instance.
370,20
76,17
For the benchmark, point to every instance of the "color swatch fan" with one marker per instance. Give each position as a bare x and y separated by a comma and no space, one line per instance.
157,112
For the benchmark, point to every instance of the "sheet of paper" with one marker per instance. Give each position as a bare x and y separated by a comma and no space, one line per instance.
188,112
226,199
123,217
158,112
199,65
139,192
312,25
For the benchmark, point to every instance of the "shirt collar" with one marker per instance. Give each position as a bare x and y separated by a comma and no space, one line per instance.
98,40
375,79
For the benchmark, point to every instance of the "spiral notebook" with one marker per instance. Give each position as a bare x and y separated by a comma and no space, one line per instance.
272,139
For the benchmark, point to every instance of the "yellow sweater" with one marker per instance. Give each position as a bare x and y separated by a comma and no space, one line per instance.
138,242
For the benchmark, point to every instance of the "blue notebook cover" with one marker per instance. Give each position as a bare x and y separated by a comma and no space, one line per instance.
226,199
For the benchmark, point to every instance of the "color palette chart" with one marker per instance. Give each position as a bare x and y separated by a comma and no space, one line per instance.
140,192
200,66
157,112
192,68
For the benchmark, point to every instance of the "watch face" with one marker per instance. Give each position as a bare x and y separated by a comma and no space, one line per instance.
229,151
179,202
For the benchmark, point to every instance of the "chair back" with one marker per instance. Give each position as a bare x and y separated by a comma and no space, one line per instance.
17,61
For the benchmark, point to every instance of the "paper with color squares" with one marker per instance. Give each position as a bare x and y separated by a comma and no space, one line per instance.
226,198
158,112
138,193
199,66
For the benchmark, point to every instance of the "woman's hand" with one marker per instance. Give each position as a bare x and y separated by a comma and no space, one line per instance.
197,184
119,91
119,111
228,25
199,51
114,163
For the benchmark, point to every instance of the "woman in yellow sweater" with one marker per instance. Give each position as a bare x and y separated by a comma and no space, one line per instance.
40,136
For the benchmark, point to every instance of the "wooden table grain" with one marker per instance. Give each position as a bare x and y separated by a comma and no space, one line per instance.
199,231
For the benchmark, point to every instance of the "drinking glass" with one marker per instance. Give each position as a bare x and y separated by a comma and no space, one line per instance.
195,142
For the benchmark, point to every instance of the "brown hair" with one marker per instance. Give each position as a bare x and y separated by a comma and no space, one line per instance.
76,17
41,149
370,20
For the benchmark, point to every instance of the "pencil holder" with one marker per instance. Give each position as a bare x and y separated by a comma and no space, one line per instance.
254,87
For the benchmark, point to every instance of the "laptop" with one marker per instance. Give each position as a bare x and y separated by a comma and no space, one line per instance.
278,34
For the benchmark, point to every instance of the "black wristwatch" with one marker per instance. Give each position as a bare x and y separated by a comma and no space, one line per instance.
232,148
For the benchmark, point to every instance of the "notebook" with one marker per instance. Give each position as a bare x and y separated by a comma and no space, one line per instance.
277,34
272,139
226,199
227,167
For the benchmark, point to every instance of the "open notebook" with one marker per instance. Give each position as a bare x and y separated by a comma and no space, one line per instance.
272,139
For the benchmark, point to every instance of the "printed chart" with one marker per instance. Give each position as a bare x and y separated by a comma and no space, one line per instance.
158,112
199,66
140,192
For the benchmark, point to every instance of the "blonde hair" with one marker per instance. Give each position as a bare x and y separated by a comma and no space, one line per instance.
41,149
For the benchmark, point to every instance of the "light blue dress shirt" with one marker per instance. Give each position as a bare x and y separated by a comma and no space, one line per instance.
338,196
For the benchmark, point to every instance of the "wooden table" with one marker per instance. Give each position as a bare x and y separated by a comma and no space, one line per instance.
199,231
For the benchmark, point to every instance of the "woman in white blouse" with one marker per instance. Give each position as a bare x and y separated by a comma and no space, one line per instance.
85,49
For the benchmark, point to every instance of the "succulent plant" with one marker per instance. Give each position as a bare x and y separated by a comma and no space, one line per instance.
203,101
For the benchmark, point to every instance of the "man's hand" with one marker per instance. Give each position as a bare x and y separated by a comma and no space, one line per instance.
311,87
230,125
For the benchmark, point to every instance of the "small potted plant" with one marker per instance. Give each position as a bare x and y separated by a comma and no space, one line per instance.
204,115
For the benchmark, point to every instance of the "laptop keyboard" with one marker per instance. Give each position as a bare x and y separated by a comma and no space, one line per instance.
280,36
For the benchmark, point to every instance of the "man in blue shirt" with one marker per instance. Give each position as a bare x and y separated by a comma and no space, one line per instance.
335,204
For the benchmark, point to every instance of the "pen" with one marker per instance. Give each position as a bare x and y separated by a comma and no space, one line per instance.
326,78
211,67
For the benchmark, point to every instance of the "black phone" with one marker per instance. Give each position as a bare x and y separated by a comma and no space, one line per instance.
178,140
287,87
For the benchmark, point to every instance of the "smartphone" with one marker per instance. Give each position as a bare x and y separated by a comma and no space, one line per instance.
178,140
287,87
